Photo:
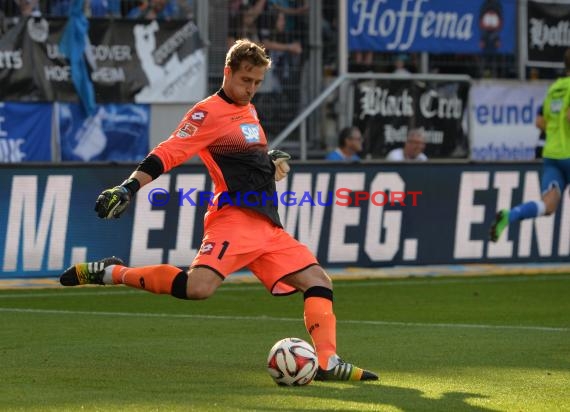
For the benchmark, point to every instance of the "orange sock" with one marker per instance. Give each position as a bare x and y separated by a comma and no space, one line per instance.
160,279
320,322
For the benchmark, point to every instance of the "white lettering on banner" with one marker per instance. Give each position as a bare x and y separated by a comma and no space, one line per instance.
376,100
341,217
183,254
24,228
434,136
53,52
115,52
432,104
146,219
10,151
379,222
306,221
11,59
505,183
57,73
3,132
173,43
195,64
101,52
468,214
543,226
108,75
554,36
400,135
393,135
385,22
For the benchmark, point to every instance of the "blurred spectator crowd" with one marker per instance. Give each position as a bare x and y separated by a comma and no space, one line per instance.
283,27
11,10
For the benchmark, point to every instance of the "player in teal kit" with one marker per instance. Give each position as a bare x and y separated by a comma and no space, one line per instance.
556,158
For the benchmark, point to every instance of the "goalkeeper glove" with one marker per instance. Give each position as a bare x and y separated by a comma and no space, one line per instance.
279,159
111,203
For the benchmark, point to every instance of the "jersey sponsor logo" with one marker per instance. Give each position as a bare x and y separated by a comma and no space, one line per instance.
186,131
207,248
250,132
556,106
198,116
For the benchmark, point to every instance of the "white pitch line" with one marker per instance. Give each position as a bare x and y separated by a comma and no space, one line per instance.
459,325
66,293
277,319
351,284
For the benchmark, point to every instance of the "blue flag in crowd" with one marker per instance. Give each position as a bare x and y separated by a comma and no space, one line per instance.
73,46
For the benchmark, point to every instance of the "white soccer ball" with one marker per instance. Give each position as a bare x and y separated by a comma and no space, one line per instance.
292,362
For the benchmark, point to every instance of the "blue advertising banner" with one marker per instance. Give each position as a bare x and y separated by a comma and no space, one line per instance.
116,132
25,132
366,215
435,26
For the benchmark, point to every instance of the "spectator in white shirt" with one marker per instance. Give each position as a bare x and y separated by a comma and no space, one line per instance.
412,150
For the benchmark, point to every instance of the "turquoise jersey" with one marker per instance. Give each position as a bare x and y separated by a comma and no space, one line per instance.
555,110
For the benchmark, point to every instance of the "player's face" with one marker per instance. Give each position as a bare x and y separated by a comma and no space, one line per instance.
241,85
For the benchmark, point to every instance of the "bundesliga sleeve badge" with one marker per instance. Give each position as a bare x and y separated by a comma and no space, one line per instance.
186,131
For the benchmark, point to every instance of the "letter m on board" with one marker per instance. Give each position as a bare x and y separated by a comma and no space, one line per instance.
24,228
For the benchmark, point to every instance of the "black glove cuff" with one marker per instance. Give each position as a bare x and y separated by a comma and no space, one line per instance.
132,185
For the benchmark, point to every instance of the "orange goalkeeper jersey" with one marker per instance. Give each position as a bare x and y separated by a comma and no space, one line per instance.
232,144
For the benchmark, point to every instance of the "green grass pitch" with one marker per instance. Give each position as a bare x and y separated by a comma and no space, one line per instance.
439,344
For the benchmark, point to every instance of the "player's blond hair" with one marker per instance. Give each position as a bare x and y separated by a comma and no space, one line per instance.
246,50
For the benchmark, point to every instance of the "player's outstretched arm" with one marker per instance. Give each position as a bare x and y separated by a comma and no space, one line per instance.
111,203
279,159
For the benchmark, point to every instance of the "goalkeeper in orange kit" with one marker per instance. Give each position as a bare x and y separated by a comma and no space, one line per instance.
225,132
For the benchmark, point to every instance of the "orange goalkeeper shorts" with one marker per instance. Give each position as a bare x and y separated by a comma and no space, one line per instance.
236,238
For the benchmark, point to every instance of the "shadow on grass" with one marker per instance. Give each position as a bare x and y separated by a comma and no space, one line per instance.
377,397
